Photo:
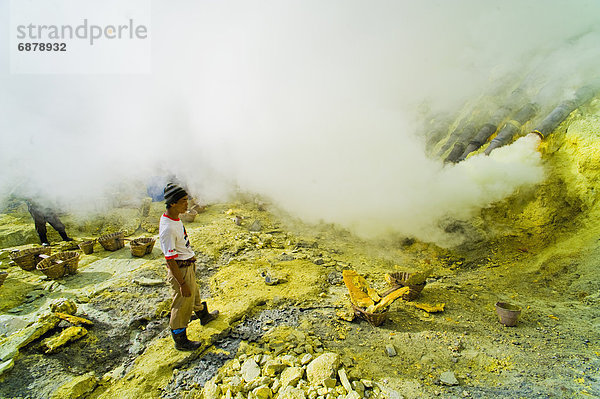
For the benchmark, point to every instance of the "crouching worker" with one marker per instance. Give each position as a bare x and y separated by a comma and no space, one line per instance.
175,245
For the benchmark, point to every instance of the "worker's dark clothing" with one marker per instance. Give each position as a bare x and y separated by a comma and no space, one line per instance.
41,215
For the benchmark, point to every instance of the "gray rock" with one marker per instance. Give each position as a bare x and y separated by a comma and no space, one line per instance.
305,359
353,395
359,387
11,345
335,278
344,380
285,257
291,393
262,392
290,376
273,367
148,282
323,367
255,226
448,378
211,390
250,370
7,365
390,350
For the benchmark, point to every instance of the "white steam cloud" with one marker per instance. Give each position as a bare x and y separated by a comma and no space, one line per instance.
315,104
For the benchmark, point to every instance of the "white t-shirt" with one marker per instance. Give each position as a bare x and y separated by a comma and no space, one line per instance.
173,238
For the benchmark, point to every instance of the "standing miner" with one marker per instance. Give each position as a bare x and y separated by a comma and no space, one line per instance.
42,215
180,258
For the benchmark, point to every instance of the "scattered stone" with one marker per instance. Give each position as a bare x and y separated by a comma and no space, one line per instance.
250,370
344,380
390,350
285,257
448,378
291,393
305,359
359,387
353,395
367,383
329,382
263,392
290,376
33,295
288,360
11,345
76,388
211,390
63,306
273,367
73,319
255,226
335,278
148,282
7,365
323,367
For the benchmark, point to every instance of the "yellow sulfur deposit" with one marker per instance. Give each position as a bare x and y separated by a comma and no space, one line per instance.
357,287
67,335
388,299
73,319
430,308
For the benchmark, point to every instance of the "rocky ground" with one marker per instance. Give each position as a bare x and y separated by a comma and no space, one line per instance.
537,250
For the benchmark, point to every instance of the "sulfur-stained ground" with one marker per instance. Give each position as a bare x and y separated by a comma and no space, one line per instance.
537,249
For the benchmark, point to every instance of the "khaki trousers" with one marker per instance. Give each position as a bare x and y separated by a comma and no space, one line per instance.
182,307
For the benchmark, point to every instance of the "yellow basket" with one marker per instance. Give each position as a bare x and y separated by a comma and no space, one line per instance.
27,259
112,242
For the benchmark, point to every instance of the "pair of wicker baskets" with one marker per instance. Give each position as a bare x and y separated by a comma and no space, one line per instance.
141,246
27,259
59,265
112,242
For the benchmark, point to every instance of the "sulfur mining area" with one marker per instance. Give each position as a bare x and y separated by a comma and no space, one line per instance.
289,326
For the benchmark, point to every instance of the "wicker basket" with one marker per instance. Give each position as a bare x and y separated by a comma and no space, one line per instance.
58,265
141,246
399,280
27,259
375,319
3,276
188,217
112,242
87,247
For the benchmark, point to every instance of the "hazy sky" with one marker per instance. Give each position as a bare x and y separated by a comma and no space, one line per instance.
319,105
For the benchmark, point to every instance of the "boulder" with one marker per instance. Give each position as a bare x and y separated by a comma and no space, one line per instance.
290,376
76,388
10,346
250,370
291,393
323,367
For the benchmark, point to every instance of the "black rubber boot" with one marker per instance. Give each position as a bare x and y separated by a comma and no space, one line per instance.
64,236
182,343
205,316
